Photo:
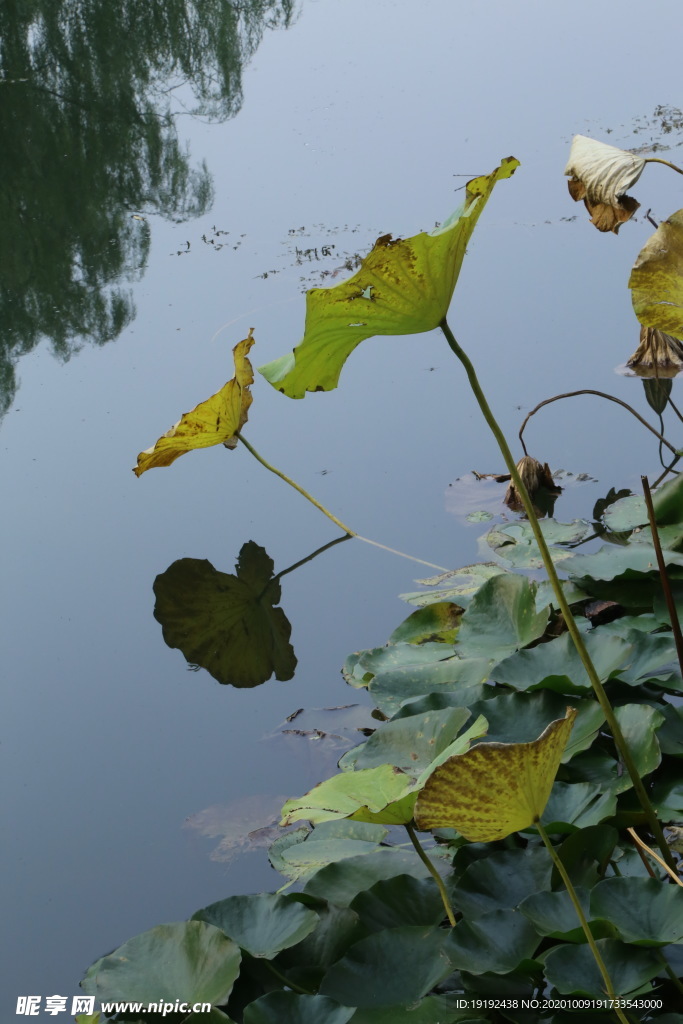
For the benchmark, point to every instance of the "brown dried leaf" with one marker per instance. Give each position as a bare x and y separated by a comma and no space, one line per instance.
600,175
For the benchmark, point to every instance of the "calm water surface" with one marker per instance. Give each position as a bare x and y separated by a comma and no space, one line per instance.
144,246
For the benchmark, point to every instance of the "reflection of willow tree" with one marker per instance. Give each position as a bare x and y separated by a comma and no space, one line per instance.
88,136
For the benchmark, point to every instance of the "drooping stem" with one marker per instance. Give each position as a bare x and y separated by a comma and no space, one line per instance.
433,872
667,163
663,577
309,558
609,987
295,485
599,394
572,627
665,472
326,511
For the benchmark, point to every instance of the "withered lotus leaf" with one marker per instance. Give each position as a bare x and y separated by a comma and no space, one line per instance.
657,351
600,175
212,422
656,281
494,789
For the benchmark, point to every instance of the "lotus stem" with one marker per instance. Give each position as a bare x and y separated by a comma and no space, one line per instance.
433,872
309,558
603,700
600,394
664,579
609,987
667,163
326,512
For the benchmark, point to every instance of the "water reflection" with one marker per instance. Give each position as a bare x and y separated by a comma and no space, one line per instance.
230,625
88,146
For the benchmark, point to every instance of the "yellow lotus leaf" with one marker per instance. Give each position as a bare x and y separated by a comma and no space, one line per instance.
656,281
494,789
214,421
403,286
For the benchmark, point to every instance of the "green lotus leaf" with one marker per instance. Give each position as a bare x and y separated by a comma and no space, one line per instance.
341,882
670,734
402,900
262,924
667,502
397,655
462,583
392,966
215,421
228,624
309,856
638,723
556,665
645,911
656,281
500,619
577,805
192,961
404,286
432,1009
502,880
626,513
496,942
408,743
329,841
610,561
553,913
463,676
585,854
371,789
437,622
519,717
516,544
667,796
494,788
573,970
649,659
278,850
292,1008
338,928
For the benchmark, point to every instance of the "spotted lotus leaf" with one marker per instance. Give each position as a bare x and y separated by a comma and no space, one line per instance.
403,286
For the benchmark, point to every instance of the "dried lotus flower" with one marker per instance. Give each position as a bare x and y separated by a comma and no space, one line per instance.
657,351
600,175
535,475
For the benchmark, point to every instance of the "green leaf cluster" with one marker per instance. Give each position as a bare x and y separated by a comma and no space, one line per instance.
474,705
